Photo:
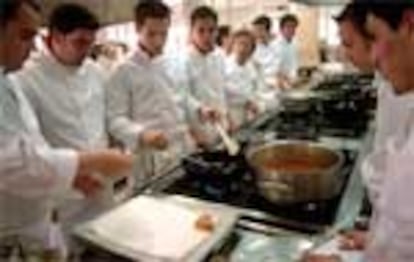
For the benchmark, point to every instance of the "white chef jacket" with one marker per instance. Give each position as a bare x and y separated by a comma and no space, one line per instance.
221,53
201,78
69,102
392,112
70,106
31,173
265,56
244,83
392,229
286,57
140,96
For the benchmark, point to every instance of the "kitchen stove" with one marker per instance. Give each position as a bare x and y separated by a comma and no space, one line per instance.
312,125
241,192
341,120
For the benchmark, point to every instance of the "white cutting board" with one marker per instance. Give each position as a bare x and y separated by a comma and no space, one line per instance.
153,227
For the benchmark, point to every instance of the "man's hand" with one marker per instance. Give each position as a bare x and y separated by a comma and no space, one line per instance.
200,139
354,240
154,139
108,162
209,114
87,185
284,82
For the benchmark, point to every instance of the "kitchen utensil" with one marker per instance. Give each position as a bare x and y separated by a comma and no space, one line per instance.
231,145
296,171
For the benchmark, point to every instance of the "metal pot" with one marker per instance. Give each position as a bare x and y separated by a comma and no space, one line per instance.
296,171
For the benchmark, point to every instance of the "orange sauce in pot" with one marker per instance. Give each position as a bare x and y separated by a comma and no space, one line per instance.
295,165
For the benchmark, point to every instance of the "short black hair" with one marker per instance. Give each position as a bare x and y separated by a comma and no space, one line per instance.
223,32
263,20
145,9
68,17
203,12
355,14
391,11
288,18
9,8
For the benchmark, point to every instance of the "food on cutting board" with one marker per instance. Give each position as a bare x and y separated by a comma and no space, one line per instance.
205,223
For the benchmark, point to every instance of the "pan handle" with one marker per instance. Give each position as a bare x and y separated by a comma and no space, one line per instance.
199,162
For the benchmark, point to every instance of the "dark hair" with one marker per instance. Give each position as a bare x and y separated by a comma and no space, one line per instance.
357,15
203,12
288,18
263,20
223,32
391,11
245,33
66,18
151,9
9,8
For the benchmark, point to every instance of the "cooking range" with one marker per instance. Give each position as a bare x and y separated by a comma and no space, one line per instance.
219,178
239,189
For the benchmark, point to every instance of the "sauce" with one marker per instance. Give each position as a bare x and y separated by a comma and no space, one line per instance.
295,165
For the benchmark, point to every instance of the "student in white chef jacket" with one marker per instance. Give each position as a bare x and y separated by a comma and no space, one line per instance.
392,110
287,57
65,87
33,174
278,57
356,44
223,40
66,91
245,81
265,53
392,229
392,232
201,78
141,108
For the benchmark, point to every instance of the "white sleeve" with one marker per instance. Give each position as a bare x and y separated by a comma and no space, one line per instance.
185,83
260,80
35,171
393,233
277,61
118,107
25,83
28,166
224,91
234,90
234,86
373,171
295,63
